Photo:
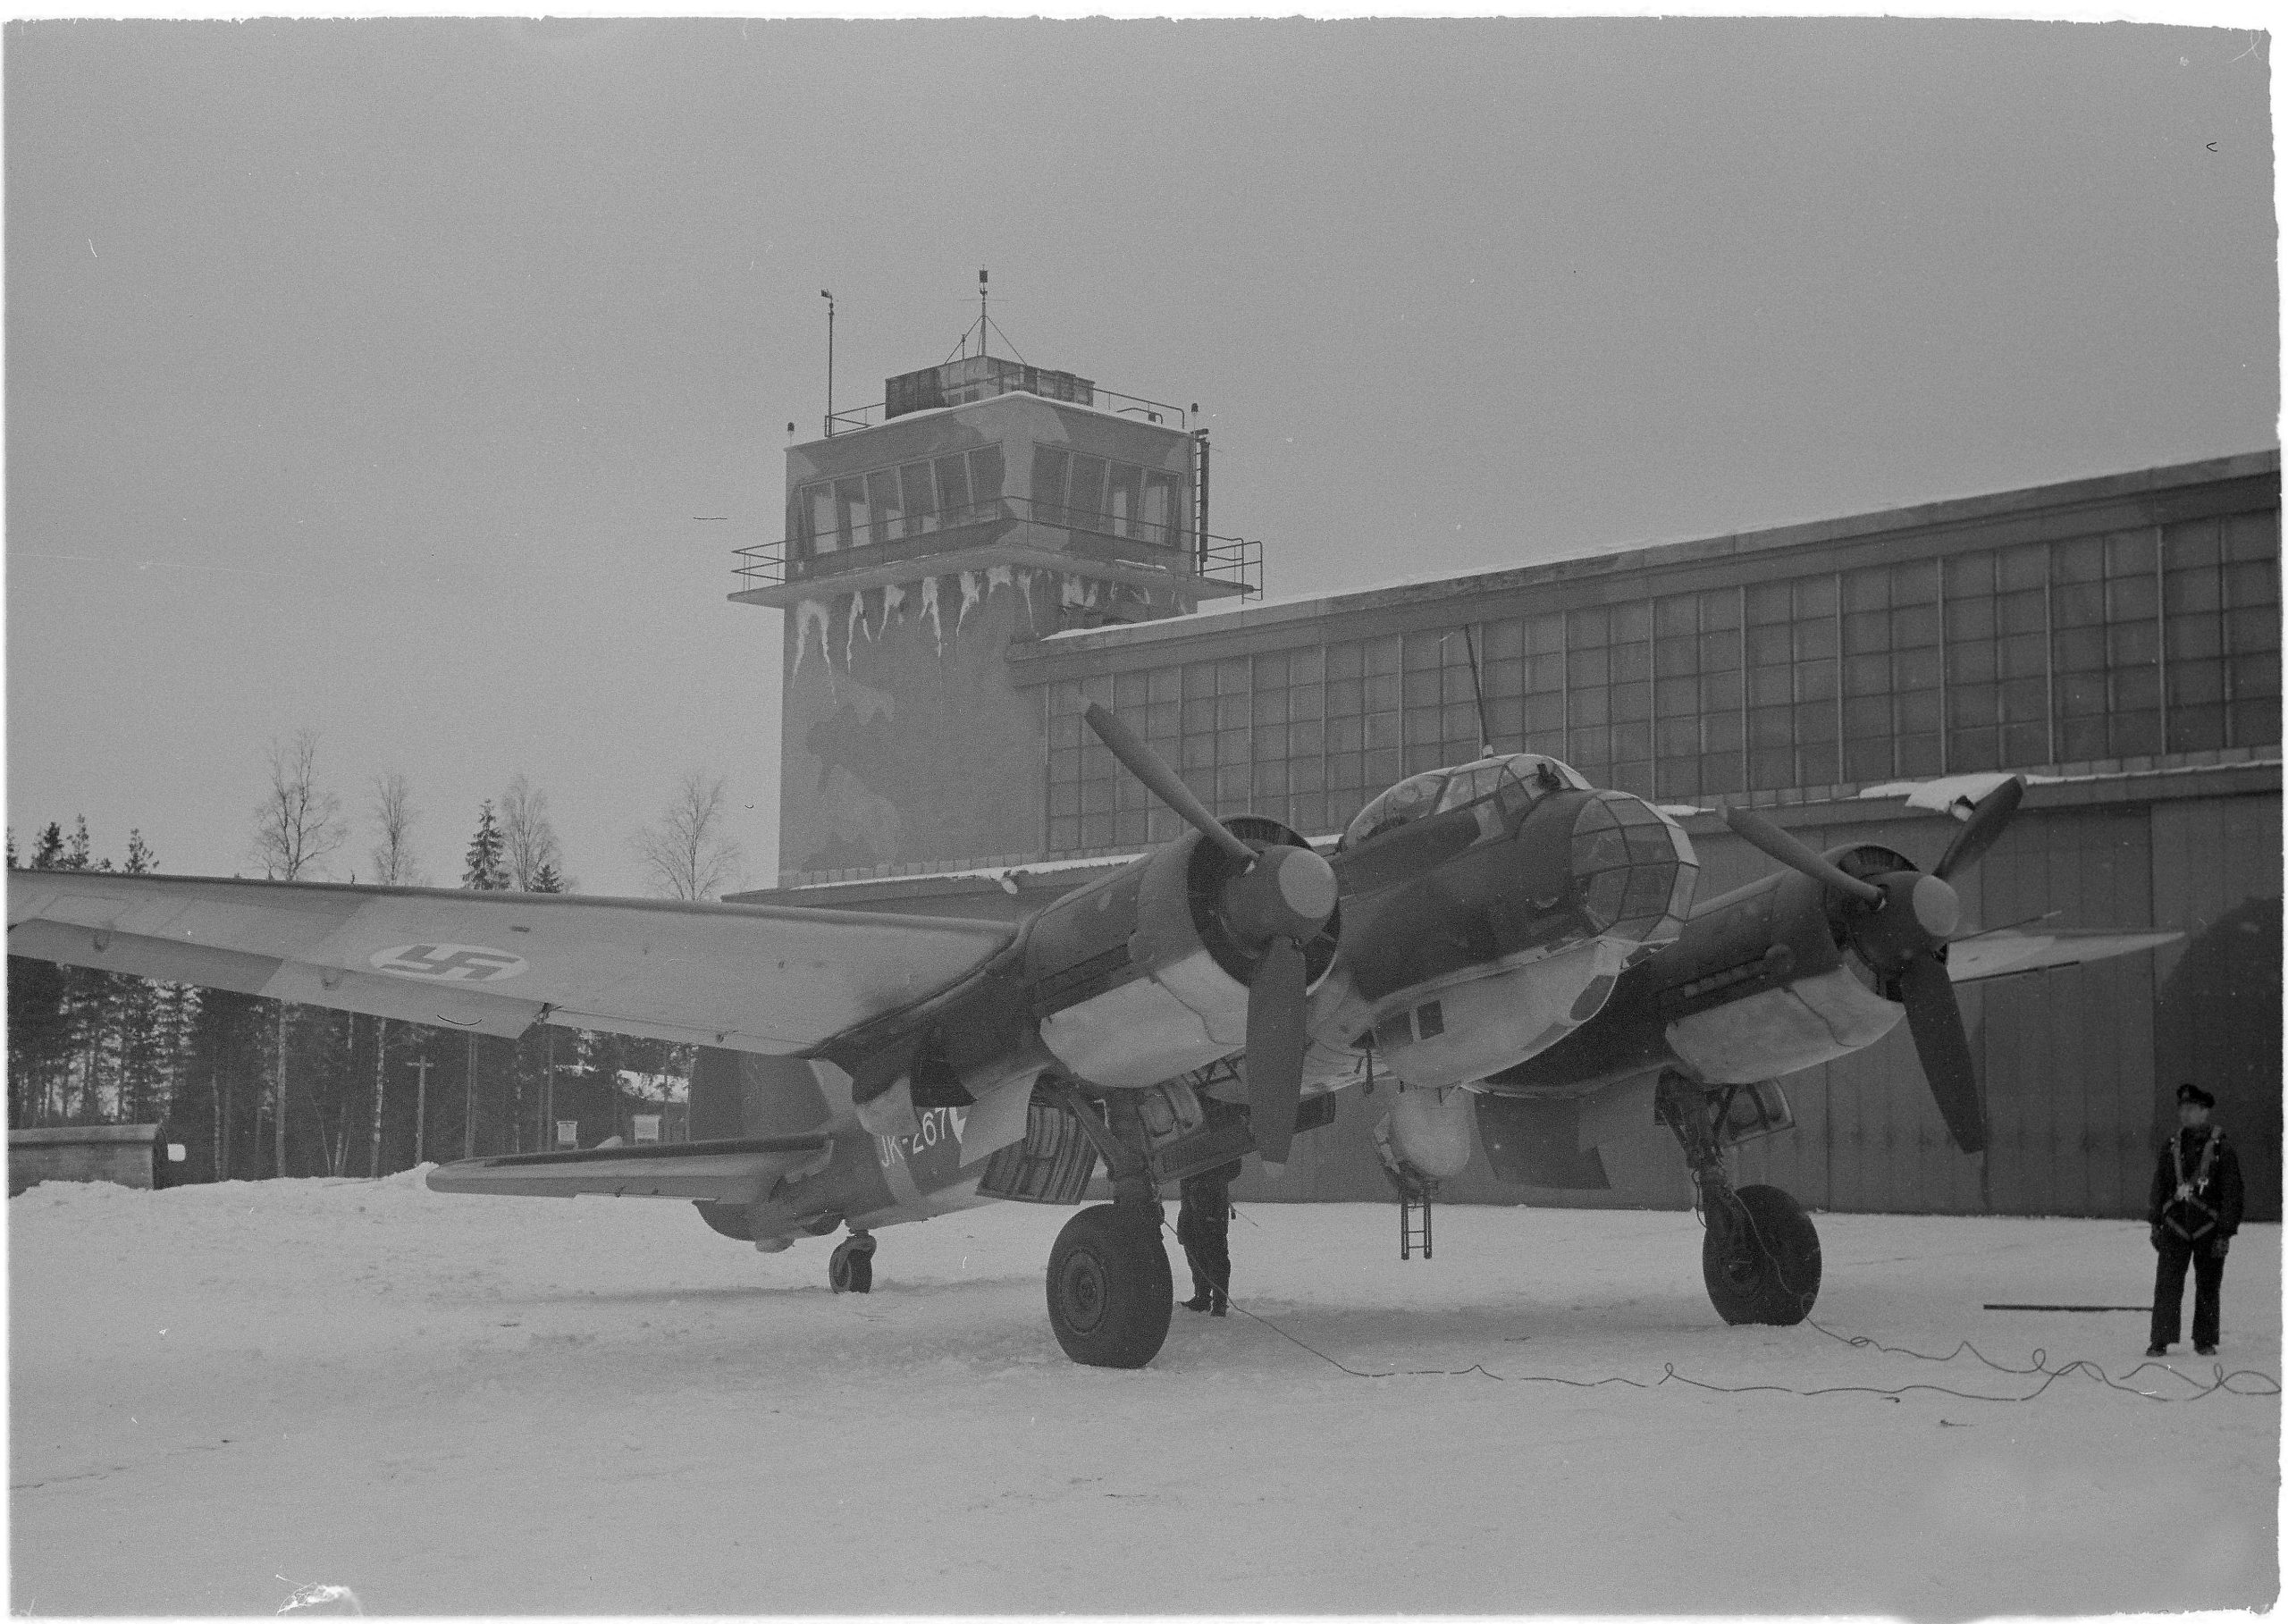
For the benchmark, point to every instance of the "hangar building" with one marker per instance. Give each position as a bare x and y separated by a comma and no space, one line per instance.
968,566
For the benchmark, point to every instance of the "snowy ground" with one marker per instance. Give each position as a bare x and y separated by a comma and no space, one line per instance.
472,1405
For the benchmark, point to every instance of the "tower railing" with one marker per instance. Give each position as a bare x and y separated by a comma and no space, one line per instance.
1102,400
1229,561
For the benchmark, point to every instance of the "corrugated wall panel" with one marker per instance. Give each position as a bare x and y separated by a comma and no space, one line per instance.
2216,877
2016,1027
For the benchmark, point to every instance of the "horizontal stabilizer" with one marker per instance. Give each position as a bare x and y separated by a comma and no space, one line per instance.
739,1171
2015,951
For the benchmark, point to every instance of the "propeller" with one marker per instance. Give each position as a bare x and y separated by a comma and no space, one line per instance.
1982,827
1157,776
1781,846
1276,1048
1936,1021
1278,900
1901,922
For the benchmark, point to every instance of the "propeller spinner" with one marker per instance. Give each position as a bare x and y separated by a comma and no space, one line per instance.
1900,922
1279,900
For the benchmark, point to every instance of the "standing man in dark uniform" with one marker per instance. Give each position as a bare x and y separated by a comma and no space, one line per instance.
2194,1209
1204,1225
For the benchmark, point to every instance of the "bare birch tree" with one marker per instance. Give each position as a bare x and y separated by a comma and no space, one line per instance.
394,864
687,853
296,827
529,850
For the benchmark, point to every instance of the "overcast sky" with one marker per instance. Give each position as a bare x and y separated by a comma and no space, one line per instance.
374,378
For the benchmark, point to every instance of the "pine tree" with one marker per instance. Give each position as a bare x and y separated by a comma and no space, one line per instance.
547,880
482,871
39,1035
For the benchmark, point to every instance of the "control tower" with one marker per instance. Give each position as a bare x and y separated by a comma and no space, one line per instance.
980,503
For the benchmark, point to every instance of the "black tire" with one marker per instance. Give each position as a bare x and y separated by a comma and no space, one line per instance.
851,1267
1110,1293
1761,1262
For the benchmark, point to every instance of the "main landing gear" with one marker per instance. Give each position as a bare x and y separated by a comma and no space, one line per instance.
1110,1290
851,1267
1111,1294
1761,1254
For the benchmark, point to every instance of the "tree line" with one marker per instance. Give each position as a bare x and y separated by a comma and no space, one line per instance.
253,1088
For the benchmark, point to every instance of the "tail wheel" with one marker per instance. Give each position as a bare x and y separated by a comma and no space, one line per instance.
1110,1293
851,1267
1761,1258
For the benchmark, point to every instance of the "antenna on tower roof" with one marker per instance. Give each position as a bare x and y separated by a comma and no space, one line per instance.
983,327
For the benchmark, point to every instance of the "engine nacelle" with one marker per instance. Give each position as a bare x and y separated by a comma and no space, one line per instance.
1136,978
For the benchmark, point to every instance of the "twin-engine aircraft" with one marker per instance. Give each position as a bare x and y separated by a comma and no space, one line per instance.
1501,938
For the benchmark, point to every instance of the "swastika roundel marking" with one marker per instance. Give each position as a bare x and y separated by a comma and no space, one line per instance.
448,962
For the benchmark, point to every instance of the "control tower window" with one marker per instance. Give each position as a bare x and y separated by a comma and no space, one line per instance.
953,487
1160,507
920,499
985,474
897,503
820,529
889,511
1124,498
1049,463
1118,499
1085,495
851,511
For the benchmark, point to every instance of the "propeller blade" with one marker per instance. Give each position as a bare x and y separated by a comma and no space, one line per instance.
1157,776
1781,847
1987,821
1935,1020
1276,1047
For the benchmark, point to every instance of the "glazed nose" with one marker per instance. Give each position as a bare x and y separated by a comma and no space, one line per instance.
1633,869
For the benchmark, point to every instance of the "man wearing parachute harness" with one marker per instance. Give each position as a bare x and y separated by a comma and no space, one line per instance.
2194,1209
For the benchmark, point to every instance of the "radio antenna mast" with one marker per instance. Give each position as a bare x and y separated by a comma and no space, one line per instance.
829,358
1478,693
982,328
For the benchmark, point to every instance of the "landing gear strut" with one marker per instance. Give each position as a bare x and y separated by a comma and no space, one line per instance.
1111,1294
851,1269
1761,1254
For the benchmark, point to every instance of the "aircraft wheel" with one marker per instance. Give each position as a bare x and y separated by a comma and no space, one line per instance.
851,1269
1763,1262
1110,1293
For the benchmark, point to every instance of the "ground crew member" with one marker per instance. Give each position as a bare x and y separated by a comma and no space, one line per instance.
2194,1209
1204,1225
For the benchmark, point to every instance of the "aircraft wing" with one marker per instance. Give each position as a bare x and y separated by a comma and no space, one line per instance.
738,1170
2017,951
773,981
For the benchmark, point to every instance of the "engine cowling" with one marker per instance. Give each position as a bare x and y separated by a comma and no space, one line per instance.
1137,978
